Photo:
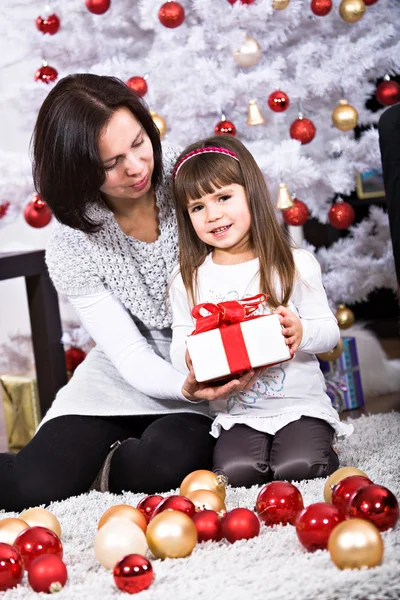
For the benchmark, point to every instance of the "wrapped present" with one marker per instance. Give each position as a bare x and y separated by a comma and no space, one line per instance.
229,339
21,409
343,380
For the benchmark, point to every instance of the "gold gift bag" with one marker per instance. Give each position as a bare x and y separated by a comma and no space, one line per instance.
21,409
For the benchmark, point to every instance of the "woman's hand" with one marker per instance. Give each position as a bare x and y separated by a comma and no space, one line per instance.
195,391
292,328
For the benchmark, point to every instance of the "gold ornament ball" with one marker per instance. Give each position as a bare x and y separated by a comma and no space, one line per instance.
10,528
171,534
334,353
204,480
206,500
345,316
355,544
116,539
344,116
352,10
280,4
160,123
249,53
123,511
42,518
337,476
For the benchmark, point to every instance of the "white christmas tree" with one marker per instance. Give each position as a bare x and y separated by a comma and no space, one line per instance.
200,71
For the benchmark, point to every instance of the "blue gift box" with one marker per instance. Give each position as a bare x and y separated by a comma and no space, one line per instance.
343,380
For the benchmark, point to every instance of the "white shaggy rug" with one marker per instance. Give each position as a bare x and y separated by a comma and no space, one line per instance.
273,566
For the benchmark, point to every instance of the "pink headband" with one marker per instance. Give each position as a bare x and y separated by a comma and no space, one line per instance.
207,150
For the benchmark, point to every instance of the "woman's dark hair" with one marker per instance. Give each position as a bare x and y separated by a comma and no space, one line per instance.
204,173
67,168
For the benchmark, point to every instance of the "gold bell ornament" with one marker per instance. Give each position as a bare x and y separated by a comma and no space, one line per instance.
171,534
280,4
344,116
254,114
334,353
249,53
123,511
345,316
207,500
159,122
10,528
41,517
204,480
285,199
336,477
356,544
352,11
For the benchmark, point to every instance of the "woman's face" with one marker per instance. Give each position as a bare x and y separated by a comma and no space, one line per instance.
127,156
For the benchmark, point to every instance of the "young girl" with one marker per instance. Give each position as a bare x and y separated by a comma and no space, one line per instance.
232,247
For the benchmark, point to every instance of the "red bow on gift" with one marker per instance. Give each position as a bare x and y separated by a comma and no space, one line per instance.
225,313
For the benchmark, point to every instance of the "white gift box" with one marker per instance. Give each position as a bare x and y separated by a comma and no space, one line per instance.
252,343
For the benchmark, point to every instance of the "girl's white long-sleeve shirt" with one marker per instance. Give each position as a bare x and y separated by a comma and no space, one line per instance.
284,392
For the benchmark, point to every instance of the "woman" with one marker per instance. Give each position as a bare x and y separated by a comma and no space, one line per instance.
98,164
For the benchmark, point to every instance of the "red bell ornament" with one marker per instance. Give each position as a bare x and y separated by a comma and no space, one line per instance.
36,213
240,524
47,574
11,567
341,215
98,7
343,491
171,14
133,574
278,101
179,503
376,504
138,85
388,92
209,526
225,127
50,24
315,523
148,504
37,541
321,7
279,502
46,74
303,130
297,215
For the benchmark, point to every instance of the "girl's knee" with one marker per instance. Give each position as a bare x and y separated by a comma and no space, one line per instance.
299,468
243,474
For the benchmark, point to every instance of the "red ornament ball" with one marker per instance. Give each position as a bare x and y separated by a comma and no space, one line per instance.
377,504
73,358
278,101
47,574
46,74
296,215
36,541
343,491
388,93
180,503
11,567
369,2
303,130
208,525
279,502
50,24
133,574
242,1
341,215
321,7
315,523
4,209
240,524
98,7
225,127
138,85
148,504
171,14
36,213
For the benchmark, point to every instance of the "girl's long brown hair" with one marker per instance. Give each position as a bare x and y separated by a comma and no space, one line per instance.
203,174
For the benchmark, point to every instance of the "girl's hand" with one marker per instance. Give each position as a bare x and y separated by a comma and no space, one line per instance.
195,391
292,328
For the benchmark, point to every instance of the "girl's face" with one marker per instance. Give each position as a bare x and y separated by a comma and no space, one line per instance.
127,155
222,220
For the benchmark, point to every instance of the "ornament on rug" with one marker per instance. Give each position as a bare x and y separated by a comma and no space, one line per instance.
303,130
242,1
47,574
280,4
225,127
254,116
11,567
4,209
388,92
10,528
204,480
334,353
148,504
341,214
116,539
337,476
285,199
171,14
178,503
279,502
171,534
296,215
43,518
209,526
321,8
355,544
138,85
249,52
207,500
345,317
98,7
133,574
315,524
123,511
159,122
240,524
49,24
73,358
352,11
46,73
376,504
344,116
344,491
37,541
278,101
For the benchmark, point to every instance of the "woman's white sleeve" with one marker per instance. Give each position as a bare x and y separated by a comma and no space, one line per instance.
320,329
112,328
182,323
